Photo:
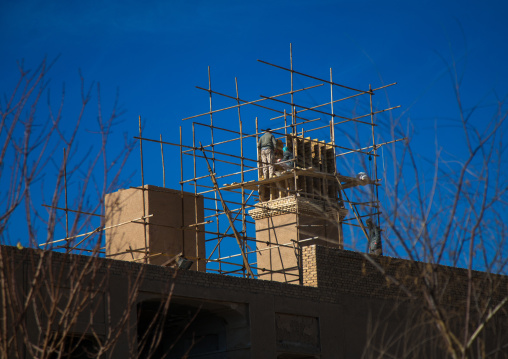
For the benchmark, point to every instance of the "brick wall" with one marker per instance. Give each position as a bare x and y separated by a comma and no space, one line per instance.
327,272
15,260
342,293
309,266
336,271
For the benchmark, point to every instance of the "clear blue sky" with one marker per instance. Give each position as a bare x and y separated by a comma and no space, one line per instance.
156,52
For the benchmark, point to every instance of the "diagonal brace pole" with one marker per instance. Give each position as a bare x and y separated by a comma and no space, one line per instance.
353,207
226,211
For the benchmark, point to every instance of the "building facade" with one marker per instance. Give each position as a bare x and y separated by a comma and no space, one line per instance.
346,308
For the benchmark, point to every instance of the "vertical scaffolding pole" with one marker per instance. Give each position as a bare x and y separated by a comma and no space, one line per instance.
196,228
294,133
212,145
65,190
285,126
244,226
286,183
181,193
374,149
293,112
163,169
143,189
332,129
332,140
260,197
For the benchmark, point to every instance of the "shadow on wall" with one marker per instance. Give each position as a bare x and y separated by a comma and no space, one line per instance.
193,328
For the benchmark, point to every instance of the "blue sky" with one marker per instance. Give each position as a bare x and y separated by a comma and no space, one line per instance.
156,52
149,49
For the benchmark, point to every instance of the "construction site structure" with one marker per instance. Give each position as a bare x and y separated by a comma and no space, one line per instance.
226,217
300,202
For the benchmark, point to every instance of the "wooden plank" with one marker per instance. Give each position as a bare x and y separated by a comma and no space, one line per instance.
308,172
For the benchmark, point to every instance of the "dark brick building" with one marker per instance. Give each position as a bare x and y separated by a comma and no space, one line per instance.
347,308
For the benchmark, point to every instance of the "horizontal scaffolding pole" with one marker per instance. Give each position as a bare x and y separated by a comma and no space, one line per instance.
244,102
376,112
243,135
316,78
366,215
289,244
71,210
255,104
78,249
219,160
322,112
195,148
189,227
221,234
376,147
95,231
233,202
368,204
339,100
220,213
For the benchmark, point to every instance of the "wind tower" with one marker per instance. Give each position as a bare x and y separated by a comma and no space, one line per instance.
297,207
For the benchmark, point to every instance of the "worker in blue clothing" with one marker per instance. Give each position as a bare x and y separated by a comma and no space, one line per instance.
287,155
267,144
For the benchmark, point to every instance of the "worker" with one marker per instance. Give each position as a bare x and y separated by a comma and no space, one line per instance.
267,145
375,246
287,155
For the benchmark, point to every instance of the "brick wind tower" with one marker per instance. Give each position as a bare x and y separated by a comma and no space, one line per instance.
297,207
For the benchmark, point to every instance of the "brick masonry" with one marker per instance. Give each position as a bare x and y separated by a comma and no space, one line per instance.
336,271
294,204
154,273
328,273
342,293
